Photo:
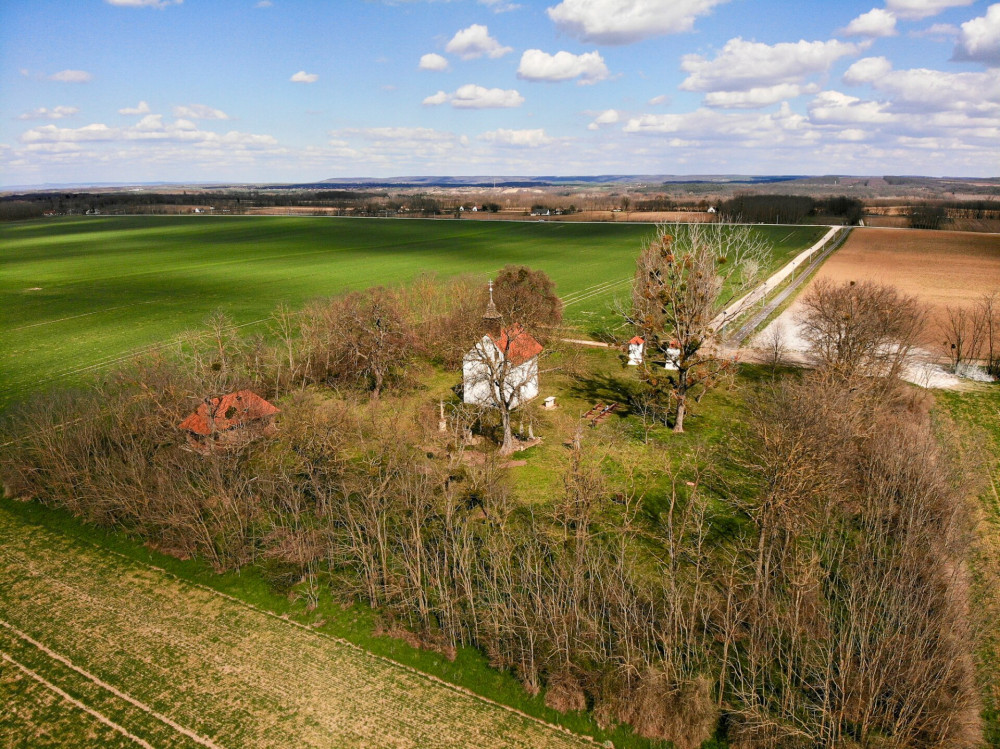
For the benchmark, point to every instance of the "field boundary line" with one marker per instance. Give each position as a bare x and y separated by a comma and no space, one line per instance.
76,703
339,640
84,314
117,692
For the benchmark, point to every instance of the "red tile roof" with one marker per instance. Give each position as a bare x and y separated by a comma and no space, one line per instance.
517,345
230,411
637,339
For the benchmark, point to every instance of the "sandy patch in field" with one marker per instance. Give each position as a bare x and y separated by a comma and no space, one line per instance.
940,268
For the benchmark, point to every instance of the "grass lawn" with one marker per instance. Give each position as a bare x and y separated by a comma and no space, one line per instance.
78,293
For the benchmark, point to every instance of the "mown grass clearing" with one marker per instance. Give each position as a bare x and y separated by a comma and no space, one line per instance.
80,293
230,674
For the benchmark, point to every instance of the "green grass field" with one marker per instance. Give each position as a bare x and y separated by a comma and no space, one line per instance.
79,293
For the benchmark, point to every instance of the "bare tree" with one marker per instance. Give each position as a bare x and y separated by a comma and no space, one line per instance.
685,277
501,372
774,346
989,309
861,329
964,330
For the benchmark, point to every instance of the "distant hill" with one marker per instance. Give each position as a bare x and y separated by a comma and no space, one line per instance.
540,180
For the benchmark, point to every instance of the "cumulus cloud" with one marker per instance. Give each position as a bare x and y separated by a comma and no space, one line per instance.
143,3
435,99
867,70
743,66
837,108
783,127
141,108
471,96
627,21
200,112
607,117
150,128
929,91
44,113
659,100
71,76
979,39
877,22
562,66
474,42
304,77
755,98
923,8
433,61
517,138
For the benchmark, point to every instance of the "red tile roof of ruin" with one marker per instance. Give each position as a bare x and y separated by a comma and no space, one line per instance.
517,345
637,339
230,411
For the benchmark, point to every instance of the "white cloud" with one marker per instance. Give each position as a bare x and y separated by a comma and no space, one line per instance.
923,8
141,108
71,76
835,107
200,112
875,23
304,77
44,113
607,117
499,6
659,100
937,32
434,99
151,128
743,129
474,42
410,134
263,4
627,21
562,66
471,96
143,3
979,40
742,65
929,91
433,61
759,97
517,138
867,70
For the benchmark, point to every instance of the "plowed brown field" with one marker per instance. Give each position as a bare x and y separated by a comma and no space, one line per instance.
941,268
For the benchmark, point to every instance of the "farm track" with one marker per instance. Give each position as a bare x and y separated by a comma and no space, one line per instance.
751,325
151,653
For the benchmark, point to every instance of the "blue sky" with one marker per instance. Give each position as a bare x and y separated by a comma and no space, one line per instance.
296,90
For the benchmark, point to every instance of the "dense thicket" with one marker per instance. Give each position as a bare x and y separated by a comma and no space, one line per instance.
807,585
